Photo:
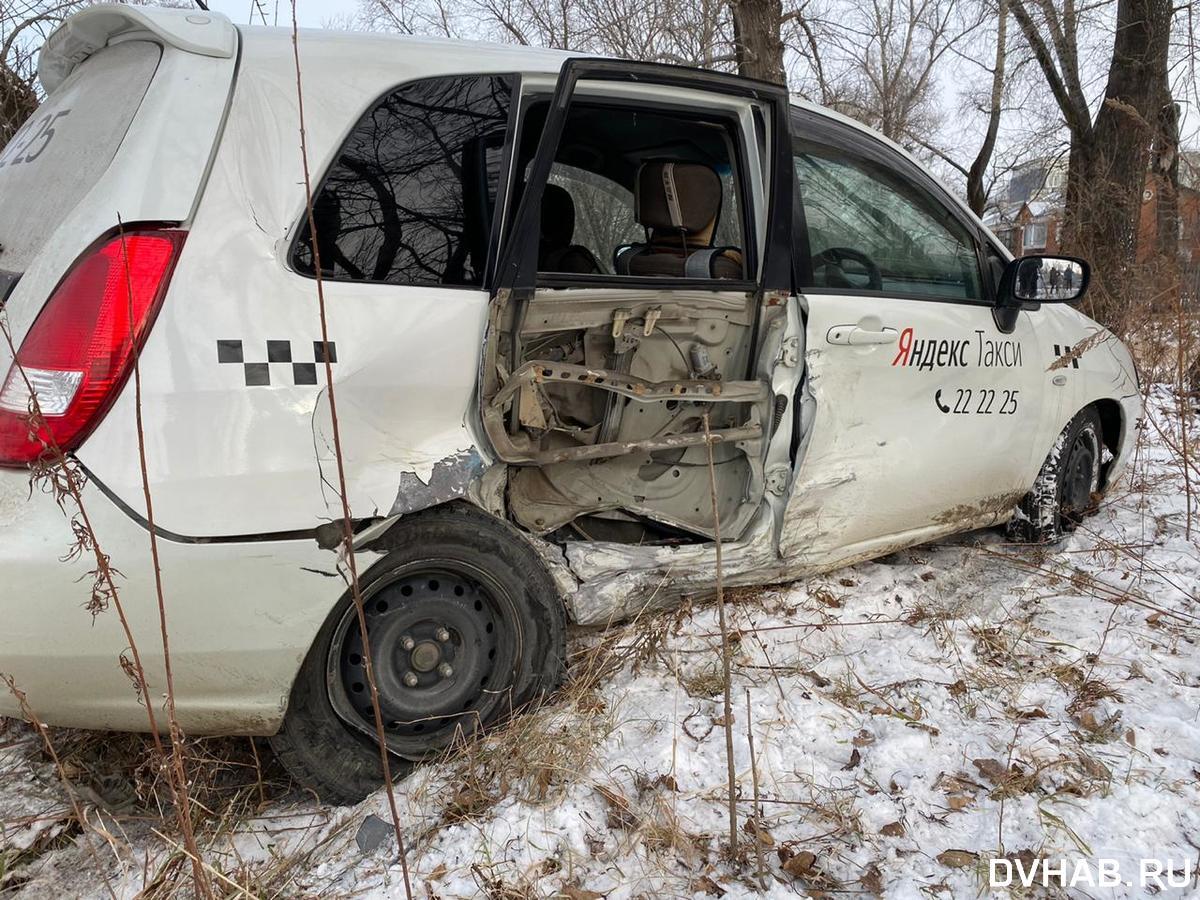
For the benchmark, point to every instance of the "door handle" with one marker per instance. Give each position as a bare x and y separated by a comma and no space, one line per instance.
856,335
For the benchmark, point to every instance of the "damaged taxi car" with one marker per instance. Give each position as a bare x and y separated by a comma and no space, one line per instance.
554,285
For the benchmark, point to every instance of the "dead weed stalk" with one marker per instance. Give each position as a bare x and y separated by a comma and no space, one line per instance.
61,475
347,521
758,817
726,652
176,733
68,787
1184,405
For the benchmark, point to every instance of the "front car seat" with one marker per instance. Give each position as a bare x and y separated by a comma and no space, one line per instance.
678,204
556,253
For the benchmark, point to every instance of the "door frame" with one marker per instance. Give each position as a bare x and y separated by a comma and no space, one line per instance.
764,136
516,271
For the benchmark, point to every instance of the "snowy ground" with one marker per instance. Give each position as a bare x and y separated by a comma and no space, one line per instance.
912,717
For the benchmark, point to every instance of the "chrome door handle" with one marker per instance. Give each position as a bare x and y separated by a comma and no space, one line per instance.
855,335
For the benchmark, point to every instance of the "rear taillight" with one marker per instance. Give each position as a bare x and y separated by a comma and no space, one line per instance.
80,348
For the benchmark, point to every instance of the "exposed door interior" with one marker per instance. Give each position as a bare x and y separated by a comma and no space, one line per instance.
642,318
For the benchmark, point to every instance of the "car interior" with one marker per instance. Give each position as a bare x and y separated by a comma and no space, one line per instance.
639,193
556,252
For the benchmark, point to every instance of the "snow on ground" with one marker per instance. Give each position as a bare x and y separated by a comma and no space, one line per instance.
912,717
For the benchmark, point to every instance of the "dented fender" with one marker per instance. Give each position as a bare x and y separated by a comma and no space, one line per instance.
450,478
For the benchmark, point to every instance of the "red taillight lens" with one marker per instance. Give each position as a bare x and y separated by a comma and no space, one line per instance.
80,349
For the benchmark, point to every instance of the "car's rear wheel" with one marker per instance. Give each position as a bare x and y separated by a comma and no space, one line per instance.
1067,486
464,626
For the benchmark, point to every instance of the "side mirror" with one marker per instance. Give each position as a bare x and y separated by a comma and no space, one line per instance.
1038,279
1044,279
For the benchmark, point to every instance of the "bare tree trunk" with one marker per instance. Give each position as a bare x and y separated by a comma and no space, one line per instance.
757,42
976,192
1109,158
1164,169
1108,173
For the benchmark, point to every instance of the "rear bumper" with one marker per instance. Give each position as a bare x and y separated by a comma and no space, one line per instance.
240,617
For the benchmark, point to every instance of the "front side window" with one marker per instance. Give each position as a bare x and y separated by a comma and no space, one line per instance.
410,197
872,231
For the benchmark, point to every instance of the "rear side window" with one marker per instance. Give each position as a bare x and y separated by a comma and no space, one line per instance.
64,148
410,197
604,216
872,231
687,221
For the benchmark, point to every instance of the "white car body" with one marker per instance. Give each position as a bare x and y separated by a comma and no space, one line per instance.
239,474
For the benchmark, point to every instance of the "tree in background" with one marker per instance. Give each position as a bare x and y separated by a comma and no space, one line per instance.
888,63
977,193
1110,151
757,41
879,60
23,26
18,100
682,32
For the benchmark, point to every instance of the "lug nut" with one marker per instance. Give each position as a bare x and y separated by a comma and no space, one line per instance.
407,643
410,679
445,671
442,635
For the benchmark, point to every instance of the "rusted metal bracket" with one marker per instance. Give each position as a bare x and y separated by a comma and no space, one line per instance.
669,442
697,391
538,372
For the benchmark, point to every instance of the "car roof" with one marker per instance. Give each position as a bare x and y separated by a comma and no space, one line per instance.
483,56
474,56
479,56
209,33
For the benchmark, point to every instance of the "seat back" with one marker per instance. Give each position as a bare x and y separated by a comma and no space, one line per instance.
678,204
556,253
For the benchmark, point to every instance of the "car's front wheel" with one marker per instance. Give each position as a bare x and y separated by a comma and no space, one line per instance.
1067,486
464,627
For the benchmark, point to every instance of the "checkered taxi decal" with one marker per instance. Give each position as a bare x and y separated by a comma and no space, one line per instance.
279,356
1061,350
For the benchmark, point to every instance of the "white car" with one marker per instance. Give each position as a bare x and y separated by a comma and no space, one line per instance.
546,277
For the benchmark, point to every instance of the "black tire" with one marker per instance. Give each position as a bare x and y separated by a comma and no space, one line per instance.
1068,485
458,597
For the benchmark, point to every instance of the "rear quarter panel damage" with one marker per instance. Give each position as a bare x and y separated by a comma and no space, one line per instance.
237,451
450,478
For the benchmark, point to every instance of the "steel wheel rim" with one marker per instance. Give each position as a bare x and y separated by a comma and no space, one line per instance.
405,611
1079,475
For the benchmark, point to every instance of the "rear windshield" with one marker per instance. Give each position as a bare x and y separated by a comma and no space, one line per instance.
64,148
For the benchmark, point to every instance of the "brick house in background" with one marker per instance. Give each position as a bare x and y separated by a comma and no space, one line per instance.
1028,216
1189,214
